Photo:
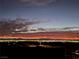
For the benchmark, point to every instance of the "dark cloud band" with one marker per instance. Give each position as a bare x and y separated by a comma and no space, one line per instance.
7,26
37,2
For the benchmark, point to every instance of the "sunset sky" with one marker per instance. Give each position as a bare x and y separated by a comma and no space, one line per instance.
51,13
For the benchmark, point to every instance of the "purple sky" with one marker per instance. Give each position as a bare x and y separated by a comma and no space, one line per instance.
51,13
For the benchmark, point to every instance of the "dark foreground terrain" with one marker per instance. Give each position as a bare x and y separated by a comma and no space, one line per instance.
53,50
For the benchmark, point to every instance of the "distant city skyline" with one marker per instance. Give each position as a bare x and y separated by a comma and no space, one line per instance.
51,13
